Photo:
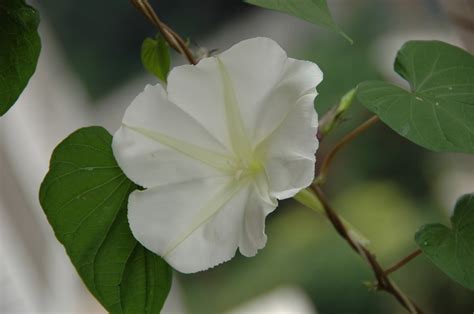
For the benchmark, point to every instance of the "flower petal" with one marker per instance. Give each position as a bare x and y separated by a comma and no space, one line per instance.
290,150
258,206
159,144
254,67
178,221
299,78
266,84
198,90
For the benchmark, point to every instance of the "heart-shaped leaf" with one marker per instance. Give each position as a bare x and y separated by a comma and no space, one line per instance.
438,112
84,196
155,57
19,49
452,249
313,11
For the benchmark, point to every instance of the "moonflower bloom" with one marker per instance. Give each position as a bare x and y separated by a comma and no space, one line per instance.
216,150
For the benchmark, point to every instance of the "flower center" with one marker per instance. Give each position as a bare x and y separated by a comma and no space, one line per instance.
246,168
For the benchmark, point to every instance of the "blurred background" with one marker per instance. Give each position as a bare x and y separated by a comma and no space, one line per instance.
89,72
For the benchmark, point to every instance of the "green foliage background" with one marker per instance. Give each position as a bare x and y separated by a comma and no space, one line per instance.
385,193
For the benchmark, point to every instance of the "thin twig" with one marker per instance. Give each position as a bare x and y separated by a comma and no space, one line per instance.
383,282
173,39
346,139
402,262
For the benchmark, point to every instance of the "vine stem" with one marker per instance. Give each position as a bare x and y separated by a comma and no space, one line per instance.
173,39
346,139
402,262
383,282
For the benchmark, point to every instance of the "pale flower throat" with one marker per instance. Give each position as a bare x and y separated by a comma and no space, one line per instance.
245,162
244,165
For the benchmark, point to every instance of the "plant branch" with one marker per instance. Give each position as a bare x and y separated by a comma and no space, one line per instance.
173,39
346,139
383,282
403,262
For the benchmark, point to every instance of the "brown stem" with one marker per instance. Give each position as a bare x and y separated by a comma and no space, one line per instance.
383,282
402,262
346,139
173,39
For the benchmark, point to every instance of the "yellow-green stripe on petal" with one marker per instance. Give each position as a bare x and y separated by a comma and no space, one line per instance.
235,125
216,160
212,207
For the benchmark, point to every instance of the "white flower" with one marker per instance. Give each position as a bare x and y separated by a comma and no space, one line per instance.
216,150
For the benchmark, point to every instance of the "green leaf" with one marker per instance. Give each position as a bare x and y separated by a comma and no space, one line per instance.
156,57
313,11
438,112
84,196
20,47
452,249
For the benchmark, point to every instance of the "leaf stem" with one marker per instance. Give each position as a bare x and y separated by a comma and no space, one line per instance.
346,139
383,282
173,39
402,262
